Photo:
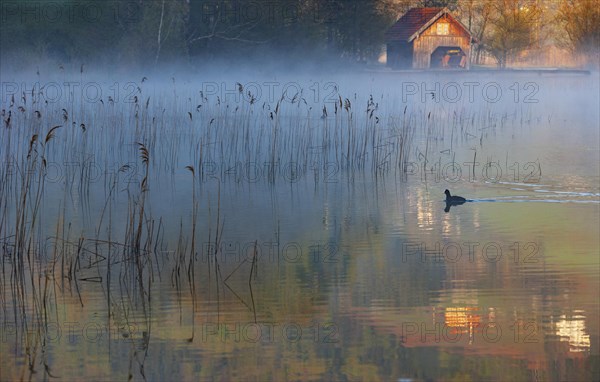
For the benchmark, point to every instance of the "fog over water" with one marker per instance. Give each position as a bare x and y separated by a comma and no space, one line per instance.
252,221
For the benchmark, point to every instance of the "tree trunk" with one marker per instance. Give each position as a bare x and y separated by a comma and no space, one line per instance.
162,14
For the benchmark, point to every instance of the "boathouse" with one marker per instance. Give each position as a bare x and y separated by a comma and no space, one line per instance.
428,38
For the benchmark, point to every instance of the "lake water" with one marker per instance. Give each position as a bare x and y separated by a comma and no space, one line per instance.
309,239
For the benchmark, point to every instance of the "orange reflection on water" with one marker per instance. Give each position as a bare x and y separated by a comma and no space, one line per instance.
462,320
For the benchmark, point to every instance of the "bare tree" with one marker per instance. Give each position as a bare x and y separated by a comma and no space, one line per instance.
513,25
581,22
228,21
476,15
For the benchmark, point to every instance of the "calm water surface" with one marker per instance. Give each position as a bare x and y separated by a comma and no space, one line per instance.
342,264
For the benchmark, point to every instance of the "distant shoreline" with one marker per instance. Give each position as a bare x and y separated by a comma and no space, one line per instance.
483,70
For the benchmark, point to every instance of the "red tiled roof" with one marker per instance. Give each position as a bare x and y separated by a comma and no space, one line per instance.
412,21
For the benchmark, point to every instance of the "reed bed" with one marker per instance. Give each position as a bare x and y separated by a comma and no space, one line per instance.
81,182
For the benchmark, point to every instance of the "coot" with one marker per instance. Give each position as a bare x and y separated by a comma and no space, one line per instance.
454,199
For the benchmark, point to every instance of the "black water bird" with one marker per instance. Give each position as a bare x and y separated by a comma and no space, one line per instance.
453,201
